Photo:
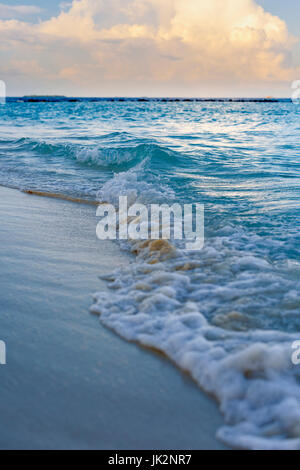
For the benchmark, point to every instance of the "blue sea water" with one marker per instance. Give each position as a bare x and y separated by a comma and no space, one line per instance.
230,313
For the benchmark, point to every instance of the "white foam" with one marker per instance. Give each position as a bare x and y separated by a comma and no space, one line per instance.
205,319
132,183
105,157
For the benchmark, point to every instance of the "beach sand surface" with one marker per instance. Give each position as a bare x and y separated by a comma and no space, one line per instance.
69,383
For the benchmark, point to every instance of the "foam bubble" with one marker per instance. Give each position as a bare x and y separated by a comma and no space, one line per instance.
216,315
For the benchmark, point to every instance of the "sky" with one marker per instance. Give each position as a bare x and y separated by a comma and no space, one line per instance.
150,47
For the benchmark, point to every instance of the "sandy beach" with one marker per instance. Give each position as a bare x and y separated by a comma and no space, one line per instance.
70,383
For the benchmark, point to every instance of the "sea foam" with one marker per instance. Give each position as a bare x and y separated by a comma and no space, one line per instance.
217,315
248,371
229,314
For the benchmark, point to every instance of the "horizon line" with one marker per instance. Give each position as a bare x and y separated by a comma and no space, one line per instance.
267,98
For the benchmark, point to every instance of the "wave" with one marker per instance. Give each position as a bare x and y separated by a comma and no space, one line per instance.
217,314
118,154
134,184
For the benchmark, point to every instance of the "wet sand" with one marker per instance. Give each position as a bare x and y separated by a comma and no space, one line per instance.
69,383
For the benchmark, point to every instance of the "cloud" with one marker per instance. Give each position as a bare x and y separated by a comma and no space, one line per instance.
8,11
142,44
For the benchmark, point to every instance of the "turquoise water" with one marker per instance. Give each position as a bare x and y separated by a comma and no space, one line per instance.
231,319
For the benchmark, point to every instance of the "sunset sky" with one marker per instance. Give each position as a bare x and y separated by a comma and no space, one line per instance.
150,47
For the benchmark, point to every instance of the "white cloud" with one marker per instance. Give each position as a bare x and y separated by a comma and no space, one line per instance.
154,43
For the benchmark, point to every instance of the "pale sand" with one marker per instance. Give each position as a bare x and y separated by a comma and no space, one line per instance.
69,382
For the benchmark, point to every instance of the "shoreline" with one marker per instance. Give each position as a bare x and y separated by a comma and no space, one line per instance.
61,197
153,350
69,382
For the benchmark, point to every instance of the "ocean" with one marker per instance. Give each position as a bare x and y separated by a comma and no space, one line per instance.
228,314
